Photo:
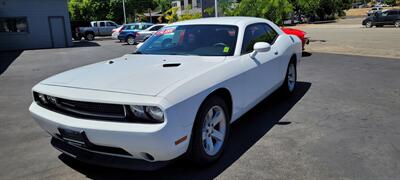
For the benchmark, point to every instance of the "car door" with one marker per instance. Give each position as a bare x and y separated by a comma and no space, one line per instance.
109,27
264,73
379,18
102,28
391,17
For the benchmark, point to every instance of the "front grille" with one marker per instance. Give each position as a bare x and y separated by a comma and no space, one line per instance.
91,109
85,110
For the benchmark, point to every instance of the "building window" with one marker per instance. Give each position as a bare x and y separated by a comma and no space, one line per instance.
13,24
198,3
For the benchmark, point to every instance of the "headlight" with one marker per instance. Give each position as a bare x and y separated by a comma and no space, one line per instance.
153,113
138,111
42,98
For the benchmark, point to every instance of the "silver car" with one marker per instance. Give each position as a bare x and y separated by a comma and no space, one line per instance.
141,36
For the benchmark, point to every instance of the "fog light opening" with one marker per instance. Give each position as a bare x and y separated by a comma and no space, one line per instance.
147,156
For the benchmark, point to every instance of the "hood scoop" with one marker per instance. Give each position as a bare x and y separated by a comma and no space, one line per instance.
172,65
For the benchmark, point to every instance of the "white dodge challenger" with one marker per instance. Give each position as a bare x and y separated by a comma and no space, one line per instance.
176,95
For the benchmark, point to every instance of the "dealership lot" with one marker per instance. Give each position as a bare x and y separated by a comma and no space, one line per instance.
348,36
343,122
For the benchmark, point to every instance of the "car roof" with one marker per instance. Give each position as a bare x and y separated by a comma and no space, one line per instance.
138,23
231,20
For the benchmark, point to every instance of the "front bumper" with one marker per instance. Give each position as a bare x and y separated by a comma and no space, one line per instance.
121,37
137,140
115,35
89,157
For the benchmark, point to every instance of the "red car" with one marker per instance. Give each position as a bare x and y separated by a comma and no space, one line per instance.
299,33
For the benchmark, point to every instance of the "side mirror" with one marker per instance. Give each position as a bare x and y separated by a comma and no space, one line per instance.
260,47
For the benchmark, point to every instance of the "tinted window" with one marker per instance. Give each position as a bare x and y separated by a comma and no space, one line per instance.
200,40
18,24
110,24
155,28
102,24
95,24
392,13
257,33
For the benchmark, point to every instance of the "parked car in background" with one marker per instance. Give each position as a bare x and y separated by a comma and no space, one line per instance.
299,33
142,36
379,19
128,31
96,28
374,10
178,94
75,25
115,32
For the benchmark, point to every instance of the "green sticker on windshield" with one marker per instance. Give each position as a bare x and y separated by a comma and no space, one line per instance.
226,49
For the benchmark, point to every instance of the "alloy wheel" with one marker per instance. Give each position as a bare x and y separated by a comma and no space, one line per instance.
90,37
369,24
291,77
130,40
214,130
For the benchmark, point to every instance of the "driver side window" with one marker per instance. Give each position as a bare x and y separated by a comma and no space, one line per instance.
254,33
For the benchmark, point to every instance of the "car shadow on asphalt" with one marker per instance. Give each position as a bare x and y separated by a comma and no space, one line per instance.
245,132
85,43
7,58
306,54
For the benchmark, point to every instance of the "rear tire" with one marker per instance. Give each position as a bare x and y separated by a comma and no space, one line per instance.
130,40
77,38
289,85
397,24
89,36
210,131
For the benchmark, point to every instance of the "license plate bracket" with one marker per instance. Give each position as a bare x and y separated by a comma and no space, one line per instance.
78,138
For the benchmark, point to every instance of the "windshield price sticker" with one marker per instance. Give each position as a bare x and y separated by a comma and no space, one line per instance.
168,30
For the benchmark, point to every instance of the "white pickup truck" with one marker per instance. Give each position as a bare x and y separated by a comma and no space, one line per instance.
98,28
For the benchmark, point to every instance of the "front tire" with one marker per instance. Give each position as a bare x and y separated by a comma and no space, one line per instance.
210,131
289,85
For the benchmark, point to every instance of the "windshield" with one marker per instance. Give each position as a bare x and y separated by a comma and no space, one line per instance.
200,40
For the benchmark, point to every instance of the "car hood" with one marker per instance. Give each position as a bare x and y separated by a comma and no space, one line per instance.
135,74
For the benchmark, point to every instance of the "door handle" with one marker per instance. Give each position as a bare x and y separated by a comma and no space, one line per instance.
276,53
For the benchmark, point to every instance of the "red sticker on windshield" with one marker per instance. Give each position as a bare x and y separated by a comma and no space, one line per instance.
165,31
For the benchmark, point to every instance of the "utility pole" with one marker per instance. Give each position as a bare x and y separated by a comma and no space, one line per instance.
123,6
216,8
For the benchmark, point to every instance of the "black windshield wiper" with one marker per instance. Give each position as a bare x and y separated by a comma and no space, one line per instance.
137,52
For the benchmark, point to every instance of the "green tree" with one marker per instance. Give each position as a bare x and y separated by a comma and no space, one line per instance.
162,5
91,10
274,10
390,2
88,10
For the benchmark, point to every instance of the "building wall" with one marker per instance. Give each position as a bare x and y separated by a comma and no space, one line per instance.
37,13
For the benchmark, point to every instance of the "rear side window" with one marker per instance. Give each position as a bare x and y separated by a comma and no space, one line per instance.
392,13
155,28
259,32
102,24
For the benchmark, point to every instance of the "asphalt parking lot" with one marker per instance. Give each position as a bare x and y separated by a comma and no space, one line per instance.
342,123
